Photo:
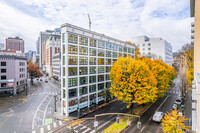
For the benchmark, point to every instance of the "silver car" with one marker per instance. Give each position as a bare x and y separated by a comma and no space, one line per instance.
157,117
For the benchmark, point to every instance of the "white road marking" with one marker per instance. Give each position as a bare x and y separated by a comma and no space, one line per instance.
46,110
60,122
48,127
54,125
110,116
142,129
33,113
86,130
162,103
122,108
76,126
21,120
93,131
33,132
99,127
41,130
111,108
150,118
83,127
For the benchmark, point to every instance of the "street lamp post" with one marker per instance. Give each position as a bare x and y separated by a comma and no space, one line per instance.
55,102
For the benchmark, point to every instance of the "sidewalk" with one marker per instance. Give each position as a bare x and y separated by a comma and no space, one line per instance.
188,108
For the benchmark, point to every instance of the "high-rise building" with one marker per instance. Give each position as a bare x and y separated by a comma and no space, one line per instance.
50,47
86,60
16,44
155,48
30,54
37,46
44,35
56,66
2,47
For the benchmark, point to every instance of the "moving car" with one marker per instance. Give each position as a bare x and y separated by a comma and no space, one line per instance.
46,81
40,79
174,106
157,117
178,101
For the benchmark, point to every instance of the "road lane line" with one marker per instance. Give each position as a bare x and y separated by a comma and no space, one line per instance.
46,110
86,130
110,116
5,120
111,108
122,108
142,129
150,118
41,130
48,127
105,123
33,132
60,122
162,103
54,125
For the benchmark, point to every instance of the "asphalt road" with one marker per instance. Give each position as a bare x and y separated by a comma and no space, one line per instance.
31,114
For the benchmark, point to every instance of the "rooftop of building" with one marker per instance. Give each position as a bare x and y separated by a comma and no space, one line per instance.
16,38
13,55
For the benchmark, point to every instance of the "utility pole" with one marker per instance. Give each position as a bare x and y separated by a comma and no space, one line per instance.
55,102
89,22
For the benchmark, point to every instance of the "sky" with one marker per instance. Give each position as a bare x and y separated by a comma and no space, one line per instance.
121,19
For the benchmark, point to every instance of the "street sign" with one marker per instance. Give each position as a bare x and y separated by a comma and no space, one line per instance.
95,123
128,123
139,125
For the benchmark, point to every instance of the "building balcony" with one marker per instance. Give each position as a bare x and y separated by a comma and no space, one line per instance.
192,24
192,36
192,30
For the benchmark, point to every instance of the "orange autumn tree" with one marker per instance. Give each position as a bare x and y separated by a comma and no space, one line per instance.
137,50
33,71
163,73
174,123
133,82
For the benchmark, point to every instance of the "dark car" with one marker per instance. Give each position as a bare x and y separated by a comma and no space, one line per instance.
46,81
40,79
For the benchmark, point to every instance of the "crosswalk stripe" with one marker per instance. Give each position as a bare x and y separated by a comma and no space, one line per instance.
33,132
54,125
41,130
86,130
93,131
48,127
60,122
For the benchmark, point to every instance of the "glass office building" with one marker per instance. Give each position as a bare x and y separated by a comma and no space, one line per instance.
86,60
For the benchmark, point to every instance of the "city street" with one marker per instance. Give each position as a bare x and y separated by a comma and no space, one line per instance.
30,114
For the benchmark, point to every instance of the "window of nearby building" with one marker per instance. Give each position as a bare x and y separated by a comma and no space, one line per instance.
100,61
129,50
92,88
3,77
143,49
149,44
3,63
72,49
3,84
108,84
143,44
100,69
108,61
92,79
108,68
83,60
92,61
149,48
63,93
63,49
72,71
114,47
100,78
108,53
83,50
3,70
72,60
114,55
92,99
63,82
101,44
63,71
107,77
101,86
120,54
92,42
114,60
92,52
83,90
83,70
120,48
101,52
82,100
72,38
92,70
83,80
133,50
108,45
63,37
125,49
83,40
125,55
63,60
72,82
72,92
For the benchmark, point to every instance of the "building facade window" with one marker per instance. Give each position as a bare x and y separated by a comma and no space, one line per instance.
108,68
3,63
72,93
83,50
63,60
63,37
63,71
101,44
92,42
114,47
72,60
149,44
83,60
101,52
83,70
120,54
125,55
3,84
129,50
101,86
108,85
114,55
63,82
92,61
3,70
72,38
72,49
3,77
92,70
100,61
63,49
63,93
92,88
100,69
108,45
125,49
72,71
92,52
100,78
108,53
83,40
108,61
83,80
114,60
149,48
72,82
92,99
107,77
83,90
143,44
92,79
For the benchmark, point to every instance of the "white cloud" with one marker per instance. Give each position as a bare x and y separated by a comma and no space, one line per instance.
122,19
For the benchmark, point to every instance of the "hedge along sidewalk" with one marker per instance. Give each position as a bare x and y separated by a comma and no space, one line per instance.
122,125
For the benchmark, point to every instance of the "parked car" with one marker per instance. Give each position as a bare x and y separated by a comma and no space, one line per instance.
178,101
157,117
40,79
174,106
37,78
46,81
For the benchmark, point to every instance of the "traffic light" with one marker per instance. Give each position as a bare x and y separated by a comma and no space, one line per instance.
139,125
117,119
